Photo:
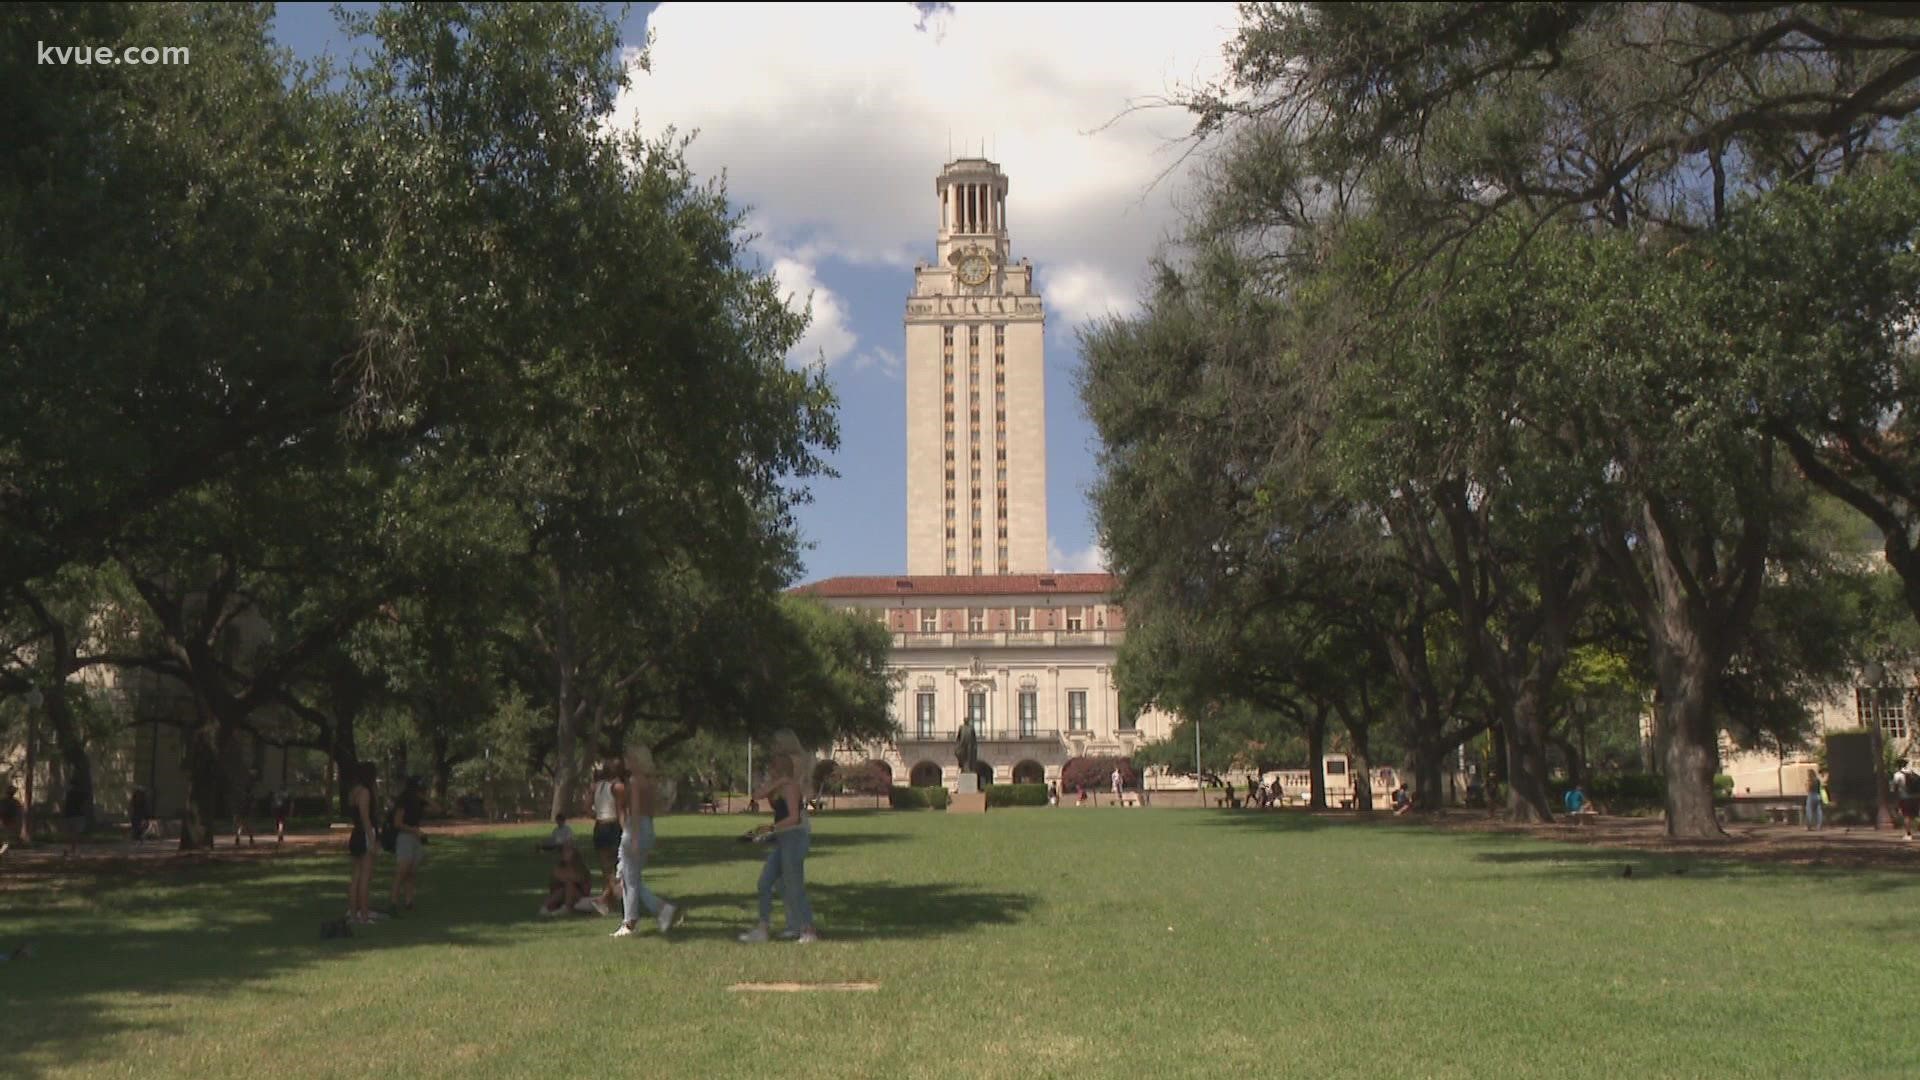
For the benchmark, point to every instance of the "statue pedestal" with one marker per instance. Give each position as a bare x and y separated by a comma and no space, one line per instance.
975,803
969,784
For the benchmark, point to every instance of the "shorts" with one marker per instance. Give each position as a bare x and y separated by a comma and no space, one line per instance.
357,842
407,848
1910,808
606,835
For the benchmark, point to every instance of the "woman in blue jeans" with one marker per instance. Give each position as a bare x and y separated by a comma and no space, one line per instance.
1816,815
636,843
785,790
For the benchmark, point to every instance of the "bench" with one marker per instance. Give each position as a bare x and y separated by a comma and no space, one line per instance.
709,807
1130,798
1784,815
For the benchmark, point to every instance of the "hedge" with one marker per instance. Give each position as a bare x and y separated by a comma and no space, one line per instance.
921,798
1095,774
1016,795
1623,791
867,778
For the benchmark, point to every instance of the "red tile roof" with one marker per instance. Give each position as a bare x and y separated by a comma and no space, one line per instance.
981,585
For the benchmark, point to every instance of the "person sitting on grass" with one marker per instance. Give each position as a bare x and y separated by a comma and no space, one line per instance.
570,884
1402,802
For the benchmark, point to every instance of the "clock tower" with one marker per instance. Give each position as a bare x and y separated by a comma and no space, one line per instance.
976,417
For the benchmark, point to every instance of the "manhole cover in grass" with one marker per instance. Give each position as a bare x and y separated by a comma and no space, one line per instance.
799,987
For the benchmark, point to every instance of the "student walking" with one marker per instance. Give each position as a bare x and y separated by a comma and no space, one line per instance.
1816,815
636,843
791,834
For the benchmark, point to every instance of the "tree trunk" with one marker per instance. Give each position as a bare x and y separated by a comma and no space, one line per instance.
1689,751
1527,799
1428,762
566,720
207,748
1316,759
442,766
71,747
346,760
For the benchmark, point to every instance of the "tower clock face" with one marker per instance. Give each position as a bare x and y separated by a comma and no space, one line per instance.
974,269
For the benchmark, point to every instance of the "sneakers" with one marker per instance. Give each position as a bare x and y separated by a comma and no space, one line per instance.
789,935
624,931
671,915
600,907
755,935
807,937
548,912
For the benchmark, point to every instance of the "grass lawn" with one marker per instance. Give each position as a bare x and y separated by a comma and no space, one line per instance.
1042,942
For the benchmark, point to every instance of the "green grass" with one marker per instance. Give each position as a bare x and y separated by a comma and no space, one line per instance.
1042,942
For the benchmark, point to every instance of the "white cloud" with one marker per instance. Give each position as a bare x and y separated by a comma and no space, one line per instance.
828,335
1089,560
882,359
1081,292
832,120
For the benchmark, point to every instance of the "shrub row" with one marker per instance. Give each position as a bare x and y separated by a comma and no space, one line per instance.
1016,795
1625,791
917,798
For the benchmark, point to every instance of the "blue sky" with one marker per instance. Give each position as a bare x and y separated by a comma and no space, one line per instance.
830,123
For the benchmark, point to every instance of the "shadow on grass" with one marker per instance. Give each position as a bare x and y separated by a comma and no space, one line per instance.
864,911
1632,866
1291,821
163,931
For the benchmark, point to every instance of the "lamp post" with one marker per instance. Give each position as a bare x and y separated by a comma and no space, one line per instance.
1199,785
33,700
1875,673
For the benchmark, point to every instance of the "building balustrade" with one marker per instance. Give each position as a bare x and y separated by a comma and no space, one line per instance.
1004,638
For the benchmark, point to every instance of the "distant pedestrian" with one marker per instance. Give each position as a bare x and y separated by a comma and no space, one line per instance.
138,811
1816,817
74,814
1053,794
1116,785
243,787
10,816
282,809
1906,792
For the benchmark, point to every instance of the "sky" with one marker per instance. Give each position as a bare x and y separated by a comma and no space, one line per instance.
829,123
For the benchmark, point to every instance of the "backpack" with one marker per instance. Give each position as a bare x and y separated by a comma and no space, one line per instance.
1907,783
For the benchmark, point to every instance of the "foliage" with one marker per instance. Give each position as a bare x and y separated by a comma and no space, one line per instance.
867,778
1095,773
901,797
1001,795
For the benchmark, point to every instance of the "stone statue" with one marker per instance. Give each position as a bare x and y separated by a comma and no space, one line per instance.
967,749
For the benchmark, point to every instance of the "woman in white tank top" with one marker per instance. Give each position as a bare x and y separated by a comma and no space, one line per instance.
606,832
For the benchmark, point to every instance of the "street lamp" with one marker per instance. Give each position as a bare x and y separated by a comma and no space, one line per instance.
33,700
1875,673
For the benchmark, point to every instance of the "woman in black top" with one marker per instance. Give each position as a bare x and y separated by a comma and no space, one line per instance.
360,844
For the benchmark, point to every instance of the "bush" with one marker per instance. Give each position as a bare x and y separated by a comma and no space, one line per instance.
913,798
826,778
1722,786
1618,793
867,778
1017,794
1096,774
